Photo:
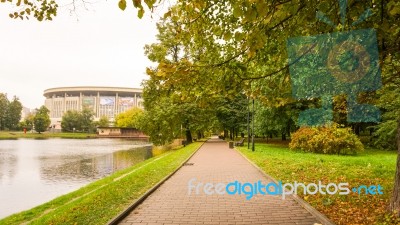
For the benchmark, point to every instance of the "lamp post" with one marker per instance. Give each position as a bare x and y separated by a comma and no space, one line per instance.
252,130
248,124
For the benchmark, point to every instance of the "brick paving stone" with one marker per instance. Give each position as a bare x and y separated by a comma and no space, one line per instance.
215,163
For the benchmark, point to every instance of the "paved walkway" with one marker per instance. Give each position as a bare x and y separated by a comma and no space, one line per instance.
215,162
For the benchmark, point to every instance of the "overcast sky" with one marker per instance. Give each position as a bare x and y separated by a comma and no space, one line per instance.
102,46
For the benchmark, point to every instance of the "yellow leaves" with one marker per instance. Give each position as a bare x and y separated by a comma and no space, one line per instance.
250,15
140,13
267,20
393,8
150,3
239,36
174,71
149,71
168,68
167,14
161,73
137,3
237,10
122,4
281,102
287,79
200,4
251,54
227,36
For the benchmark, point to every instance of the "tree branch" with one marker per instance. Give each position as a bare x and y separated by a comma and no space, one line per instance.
281,69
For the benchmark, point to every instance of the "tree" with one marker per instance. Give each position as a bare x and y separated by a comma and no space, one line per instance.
41,120
394,205
10,112
103,121
160,123
86,119
71,121
271,121
244,42
130,118
14,111
29,121
232,114
77,120
3,110
47,10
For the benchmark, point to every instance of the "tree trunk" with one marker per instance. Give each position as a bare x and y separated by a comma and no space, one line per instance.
189,138
394,205
283,136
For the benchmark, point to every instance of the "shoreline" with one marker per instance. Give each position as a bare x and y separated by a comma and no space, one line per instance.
15,135
112,193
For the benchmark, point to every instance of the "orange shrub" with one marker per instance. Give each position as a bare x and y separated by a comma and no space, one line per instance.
326,140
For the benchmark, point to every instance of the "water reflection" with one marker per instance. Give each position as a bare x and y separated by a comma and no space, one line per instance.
91,168
8,164
35,171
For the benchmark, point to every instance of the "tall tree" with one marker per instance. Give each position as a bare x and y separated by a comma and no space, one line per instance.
274,121
71,121
232,114
394,205
14,111
86,117
41,120
3,110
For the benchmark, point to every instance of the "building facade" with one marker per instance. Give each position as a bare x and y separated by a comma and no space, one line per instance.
104,101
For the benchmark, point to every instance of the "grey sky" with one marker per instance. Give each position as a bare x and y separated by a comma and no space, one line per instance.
103,48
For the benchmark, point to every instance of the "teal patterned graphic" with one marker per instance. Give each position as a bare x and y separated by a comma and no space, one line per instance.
326,65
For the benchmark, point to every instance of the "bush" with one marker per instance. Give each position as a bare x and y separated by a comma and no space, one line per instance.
326,140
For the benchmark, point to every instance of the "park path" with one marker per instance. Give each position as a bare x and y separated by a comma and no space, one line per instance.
214,162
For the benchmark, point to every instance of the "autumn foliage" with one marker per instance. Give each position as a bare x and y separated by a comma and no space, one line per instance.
326,140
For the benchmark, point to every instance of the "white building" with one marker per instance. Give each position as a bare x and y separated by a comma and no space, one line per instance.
104,101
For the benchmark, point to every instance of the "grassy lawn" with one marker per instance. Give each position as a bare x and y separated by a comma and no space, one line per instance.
102,200
371,167
19,134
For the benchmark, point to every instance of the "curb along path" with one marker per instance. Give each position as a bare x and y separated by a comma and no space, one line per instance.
215,163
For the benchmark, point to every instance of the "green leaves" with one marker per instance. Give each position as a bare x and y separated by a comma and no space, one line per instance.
41,120
10,112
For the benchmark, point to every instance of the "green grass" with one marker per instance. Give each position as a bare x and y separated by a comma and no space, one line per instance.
102,200
19,134
371,167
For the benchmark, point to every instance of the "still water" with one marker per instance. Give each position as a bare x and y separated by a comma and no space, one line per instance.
33,172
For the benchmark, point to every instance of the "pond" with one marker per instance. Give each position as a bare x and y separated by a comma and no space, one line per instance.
33,172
